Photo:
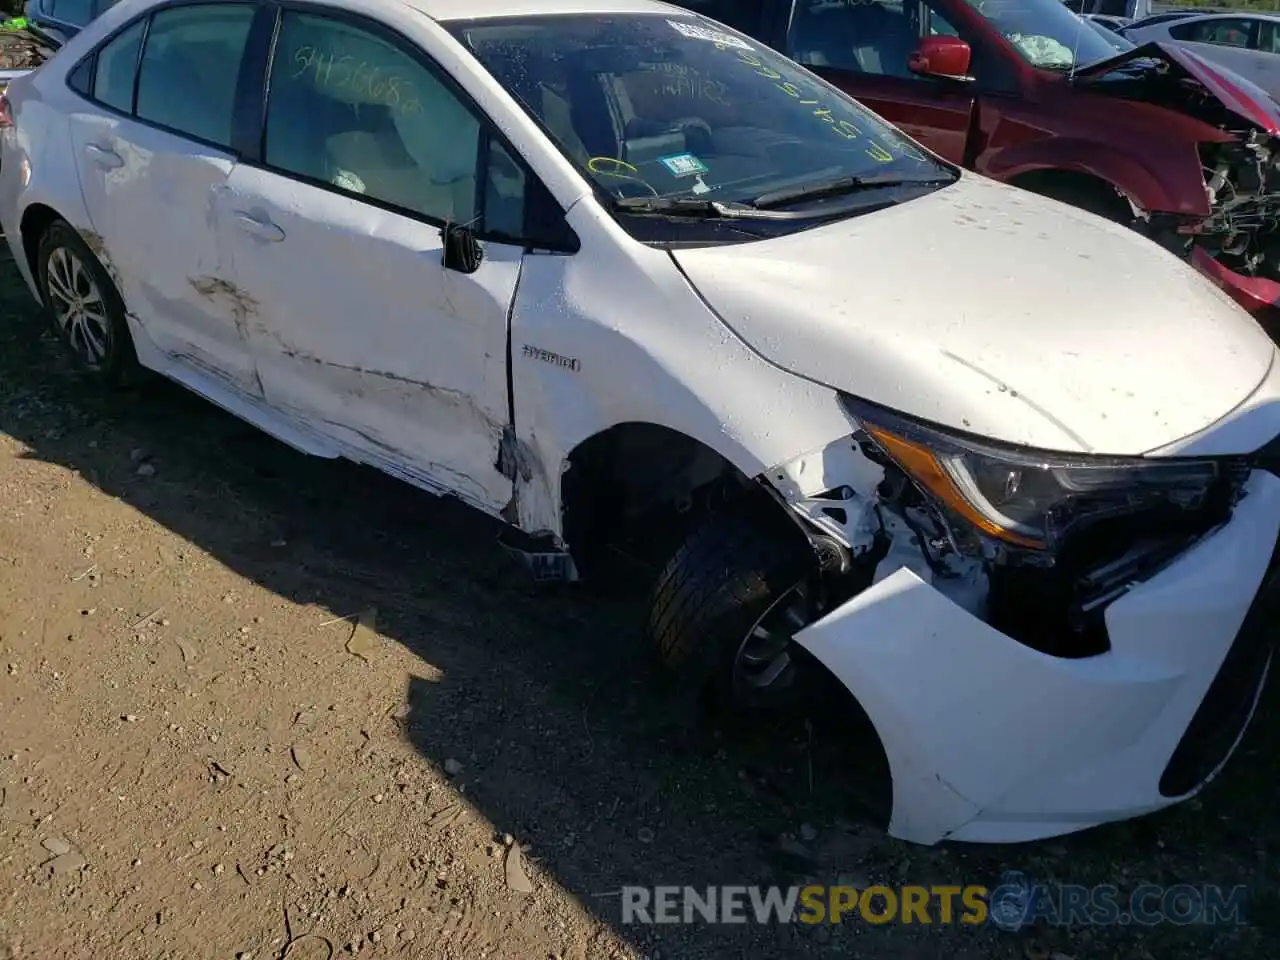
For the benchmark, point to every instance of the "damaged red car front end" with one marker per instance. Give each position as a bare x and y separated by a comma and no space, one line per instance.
1232,232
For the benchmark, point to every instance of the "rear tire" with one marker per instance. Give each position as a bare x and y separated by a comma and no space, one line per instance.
84,308
722,609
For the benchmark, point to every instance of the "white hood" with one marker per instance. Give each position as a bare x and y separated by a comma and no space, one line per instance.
998,312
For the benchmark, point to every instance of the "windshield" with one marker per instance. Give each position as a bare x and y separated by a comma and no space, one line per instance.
656,106
1045,32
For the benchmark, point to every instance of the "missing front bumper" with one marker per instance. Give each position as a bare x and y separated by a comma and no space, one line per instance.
989,740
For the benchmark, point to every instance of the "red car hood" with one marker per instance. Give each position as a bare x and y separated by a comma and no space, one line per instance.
1242,97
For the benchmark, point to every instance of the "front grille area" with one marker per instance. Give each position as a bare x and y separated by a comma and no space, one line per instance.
1226,707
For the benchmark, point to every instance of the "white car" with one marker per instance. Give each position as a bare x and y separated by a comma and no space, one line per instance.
589,265
1246,43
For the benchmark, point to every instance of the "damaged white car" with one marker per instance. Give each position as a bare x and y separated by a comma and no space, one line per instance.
1007,470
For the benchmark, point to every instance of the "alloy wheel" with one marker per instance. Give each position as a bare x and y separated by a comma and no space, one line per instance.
765,664
78,306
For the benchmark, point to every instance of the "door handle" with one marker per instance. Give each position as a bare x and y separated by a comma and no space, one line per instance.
103,157
262,229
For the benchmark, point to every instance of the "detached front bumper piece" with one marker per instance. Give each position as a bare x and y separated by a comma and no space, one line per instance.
991,741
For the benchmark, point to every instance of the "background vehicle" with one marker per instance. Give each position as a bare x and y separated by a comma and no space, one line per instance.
49,24
1119,9
1115,24
1167,15
63,19
1026,92
22,51
1247,43
1113,37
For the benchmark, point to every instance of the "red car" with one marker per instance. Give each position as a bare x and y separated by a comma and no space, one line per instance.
1026,92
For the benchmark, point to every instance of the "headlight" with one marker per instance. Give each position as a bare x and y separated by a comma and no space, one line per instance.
1031,498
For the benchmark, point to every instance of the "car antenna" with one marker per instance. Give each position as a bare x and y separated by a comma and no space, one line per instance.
1075,48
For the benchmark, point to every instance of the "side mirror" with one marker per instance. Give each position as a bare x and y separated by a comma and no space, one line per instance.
462,251
941,57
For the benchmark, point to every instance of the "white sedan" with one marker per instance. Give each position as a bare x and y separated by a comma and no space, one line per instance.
606,269
1246,43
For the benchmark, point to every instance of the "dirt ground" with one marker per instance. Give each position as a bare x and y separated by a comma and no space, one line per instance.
198,759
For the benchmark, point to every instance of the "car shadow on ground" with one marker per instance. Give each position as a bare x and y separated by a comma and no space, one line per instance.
549,699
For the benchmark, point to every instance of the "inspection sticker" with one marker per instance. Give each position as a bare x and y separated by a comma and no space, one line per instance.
683,165
695,32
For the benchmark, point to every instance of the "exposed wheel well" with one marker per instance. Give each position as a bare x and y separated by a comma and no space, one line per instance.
35,221
632,493
1082,190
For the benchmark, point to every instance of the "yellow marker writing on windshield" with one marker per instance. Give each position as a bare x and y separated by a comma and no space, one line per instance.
878,152
842,128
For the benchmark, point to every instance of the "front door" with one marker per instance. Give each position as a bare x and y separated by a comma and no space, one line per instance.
152,156
358,329
863,49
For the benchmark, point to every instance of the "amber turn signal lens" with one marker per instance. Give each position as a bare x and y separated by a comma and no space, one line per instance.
922,465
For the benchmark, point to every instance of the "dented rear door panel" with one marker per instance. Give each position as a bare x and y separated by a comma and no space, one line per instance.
361,334
144,189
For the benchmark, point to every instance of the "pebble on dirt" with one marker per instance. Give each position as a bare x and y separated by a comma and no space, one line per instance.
56,845
517,879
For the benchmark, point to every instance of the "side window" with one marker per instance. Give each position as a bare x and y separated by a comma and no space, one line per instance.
873,37
744,15
187,78
1228,32
1268,36
352,110
117,64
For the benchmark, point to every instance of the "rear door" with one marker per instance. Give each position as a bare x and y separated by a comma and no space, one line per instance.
153,148
863,49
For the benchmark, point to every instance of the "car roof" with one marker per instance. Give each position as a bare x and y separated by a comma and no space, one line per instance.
445,10
1236,15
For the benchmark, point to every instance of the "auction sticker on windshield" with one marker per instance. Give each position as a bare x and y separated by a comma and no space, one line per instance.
695,32
683,165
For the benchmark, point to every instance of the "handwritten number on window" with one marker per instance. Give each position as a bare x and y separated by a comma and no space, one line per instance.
342,73
842,128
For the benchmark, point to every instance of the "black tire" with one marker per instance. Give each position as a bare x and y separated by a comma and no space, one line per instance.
97,333
714,591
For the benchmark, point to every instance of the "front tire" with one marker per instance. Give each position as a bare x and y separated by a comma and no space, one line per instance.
726,608
84,307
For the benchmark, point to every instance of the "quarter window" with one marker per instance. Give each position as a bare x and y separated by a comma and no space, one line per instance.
117,64
190,65
352,110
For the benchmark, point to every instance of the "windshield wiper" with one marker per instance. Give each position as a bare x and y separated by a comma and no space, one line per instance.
831,188
696,208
